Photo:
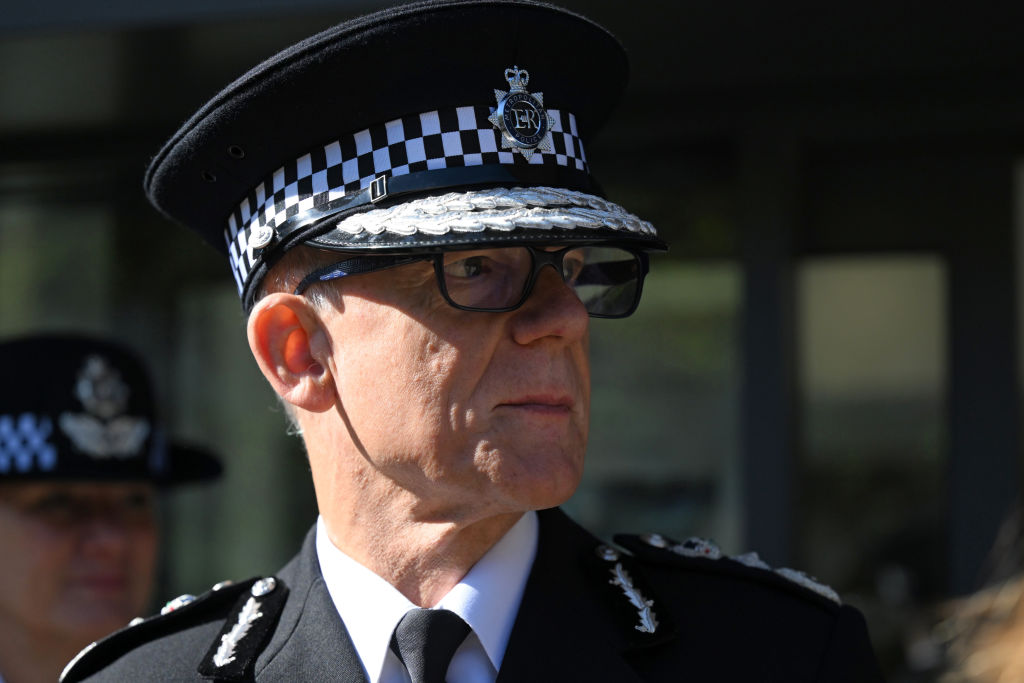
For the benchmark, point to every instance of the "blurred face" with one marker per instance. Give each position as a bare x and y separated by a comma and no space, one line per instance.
487,412
78,558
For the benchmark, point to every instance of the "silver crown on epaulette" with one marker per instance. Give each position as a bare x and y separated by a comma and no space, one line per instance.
691,547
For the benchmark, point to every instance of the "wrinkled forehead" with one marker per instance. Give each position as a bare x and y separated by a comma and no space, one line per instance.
378,135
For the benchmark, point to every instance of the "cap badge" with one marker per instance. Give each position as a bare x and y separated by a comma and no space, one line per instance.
102,431
100,389
524,123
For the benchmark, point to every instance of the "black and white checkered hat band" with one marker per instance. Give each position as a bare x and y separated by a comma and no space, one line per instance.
421,142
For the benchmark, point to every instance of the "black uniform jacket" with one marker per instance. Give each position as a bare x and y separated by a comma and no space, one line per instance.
590,612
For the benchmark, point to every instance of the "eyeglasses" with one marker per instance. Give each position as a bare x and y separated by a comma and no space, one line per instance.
607,279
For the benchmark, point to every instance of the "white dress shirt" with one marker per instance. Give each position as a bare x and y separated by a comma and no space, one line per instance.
487,599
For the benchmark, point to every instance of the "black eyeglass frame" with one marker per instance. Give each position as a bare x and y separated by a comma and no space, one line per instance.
368,263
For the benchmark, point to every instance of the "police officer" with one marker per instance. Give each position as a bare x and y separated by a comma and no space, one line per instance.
407,206
81,460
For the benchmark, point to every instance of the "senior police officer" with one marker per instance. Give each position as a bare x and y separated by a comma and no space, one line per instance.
82,457
408,210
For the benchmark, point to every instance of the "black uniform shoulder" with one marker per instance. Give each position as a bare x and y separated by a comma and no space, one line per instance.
182,640
788,625
661,554
687,599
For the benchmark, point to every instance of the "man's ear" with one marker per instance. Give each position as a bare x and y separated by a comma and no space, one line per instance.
290,345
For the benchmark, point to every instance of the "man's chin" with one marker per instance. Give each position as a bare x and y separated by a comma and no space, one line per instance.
549,492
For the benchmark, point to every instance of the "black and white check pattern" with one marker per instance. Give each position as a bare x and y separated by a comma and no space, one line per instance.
24,444
436,139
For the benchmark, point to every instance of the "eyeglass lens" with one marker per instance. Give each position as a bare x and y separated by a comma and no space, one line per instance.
606,279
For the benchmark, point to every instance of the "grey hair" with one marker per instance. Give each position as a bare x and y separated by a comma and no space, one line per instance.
286,274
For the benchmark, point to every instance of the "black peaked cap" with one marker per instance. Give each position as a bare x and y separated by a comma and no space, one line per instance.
394,131
371,69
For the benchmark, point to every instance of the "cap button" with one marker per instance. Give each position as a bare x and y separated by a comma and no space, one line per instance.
261,236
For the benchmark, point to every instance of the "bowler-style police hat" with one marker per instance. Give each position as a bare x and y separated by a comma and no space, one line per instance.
77,408
432,125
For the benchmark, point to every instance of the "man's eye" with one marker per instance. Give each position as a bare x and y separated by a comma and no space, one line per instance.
473,266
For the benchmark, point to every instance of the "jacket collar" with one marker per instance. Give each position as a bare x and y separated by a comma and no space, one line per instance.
574,622
311,642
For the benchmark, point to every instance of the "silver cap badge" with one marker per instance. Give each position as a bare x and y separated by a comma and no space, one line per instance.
103,431
524,123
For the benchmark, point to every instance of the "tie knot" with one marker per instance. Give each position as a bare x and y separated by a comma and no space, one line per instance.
425,640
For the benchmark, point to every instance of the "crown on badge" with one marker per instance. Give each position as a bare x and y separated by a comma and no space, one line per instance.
100,388
517,78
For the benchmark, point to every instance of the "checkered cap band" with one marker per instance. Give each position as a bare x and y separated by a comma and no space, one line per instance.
25,444
421,142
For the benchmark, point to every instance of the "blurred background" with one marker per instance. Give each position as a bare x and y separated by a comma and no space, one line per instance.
824,367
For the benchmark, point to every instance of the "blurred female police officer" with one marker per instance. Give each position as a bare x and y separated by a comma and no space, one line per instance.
81,461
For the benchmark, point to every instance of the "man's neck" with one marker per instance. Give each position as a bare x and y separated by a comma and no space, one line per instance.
422,547
422,560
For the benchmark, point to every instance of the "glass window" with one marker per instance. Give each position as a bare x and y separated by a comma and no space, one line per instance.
872,366
664,438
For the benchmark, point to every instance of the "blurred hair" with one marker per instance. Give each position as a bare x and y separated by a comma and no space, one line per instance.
985,632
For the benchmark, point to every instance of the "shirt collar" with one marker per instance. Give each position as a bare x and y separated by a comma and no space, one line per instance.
487,598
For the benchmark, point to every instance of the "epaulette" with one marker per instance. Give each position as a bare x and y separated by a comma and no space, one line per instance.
250,609
629,596
703,555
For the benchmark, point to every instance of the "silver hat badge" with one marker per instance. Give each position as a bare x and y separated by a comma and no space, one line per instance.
103,431
524,123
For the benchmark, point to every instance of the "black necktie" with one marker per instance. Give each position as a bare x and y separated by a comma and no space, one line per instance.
425,640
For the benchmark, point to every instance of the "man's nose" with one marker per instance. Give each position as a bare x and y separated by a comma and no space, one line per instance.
551,311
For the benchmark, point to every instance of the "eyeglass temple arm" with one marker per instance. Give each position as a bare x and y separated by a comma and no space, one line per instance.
353,266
